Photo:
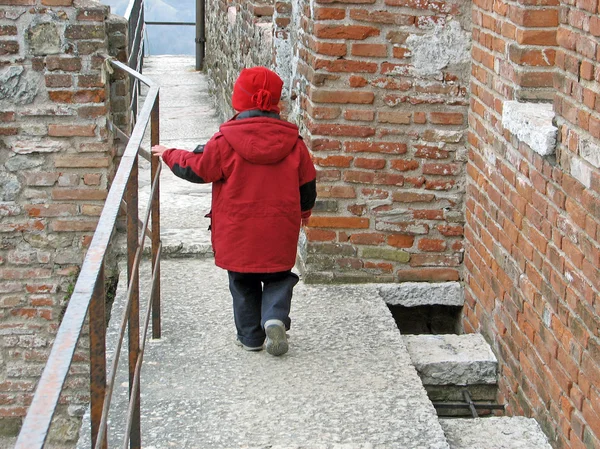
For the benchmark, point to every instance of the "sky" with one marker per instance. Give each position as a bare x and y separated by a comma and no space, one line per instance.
165,40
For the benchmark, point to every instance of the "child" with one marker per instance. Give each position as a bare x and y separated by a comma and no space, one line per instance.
263,188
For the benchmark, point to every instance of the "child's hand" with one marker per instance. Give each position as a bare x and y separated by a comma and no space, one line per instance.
158,150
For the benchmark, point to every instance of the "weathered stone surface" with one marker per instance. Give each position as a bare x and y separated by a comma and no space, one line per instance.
17,86
9,186
531,123
43,39
347,379
39,146
494,433
385,254
411,294
439,47
20,162
452,359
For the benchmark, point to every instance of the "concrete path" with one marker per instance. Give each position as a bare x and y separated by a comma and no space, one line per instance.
187,118
347,381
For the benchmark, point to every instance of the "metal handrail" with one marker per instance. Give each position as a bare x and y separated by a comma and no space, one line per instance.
89,295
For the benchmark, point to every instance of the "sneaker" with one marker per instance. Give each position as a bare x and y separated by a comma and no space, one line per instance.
248,348
276,337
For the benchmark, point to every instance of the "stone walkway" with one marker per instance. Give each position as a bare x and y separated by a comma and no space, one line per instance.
347,381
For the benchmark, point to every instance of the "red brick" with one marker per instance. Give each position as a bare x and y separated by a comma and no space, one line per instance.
333,161
58,80
325,191
320,235
430,152
7,116
428,274
51,210
64,63
401,240
57,2
450,230
436,245
446,118
357,81
323,112
329,14
371,164
375,147
9,48
61,96
536,37
359,115
330,49
345,65
441,169
533,18
372,238
411,197
380,16
325,145
397,118
73,225
370,50
338,222
340,130
405,165
357,32
71,130
79,194
8,30
341,96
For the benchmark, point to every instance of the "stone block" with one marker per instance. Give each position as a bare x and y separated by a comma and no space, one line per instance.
452,359
532,124
412,294
494,433
44,39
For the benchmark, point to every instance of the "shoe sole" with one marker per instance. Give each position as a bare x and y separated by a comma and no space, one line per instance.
276,340
248,348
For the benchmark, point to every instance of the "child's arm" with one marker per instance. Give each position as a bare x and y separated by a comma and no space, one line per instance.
198,166
308,183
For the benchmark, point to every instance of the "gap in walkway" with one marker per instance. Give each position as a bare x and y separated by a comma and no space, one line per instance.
429,319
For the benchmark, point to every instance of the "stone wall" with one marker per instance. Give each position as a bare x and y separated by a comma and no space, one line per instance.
239,35
56,162
533,209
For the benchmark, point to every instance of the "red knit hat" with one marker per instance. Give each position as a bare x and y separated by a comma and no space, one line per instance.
257,88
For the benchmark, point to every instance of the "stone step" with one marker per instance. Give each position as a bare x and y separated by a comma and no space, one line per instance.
414,294
494,433
452,359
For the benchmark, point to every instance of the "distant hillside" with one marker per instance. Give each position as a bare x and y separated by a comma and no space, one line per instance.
165,40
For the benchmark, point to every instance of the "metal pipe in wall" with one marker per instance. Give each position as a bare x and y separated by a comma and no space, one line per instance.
200,33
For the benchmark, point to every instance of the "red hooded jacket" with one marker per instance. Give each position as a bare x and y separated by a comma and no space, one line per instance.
263,184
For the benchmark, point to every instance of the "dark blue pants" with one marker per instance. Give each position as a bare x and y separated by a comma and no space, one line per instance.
257,298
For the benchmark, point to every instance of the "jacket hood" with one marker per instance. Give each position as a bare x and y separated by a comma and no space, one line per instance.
261,140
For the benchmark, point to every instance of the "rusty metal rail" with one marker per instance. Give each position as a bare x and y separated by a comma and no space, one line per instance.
89,296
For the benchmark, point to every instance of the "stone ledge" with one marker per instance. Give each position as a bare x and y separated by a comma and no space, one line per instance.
532,124
452,359
412,294
494,433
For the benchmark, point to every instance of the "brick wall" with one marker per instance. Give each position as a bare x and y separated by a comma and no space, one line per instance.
386,109
56,158
532,235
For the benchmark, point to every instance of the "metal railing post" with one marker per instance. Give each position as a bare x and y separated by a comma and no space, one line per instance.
97,355
154,166
200,34
134,311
